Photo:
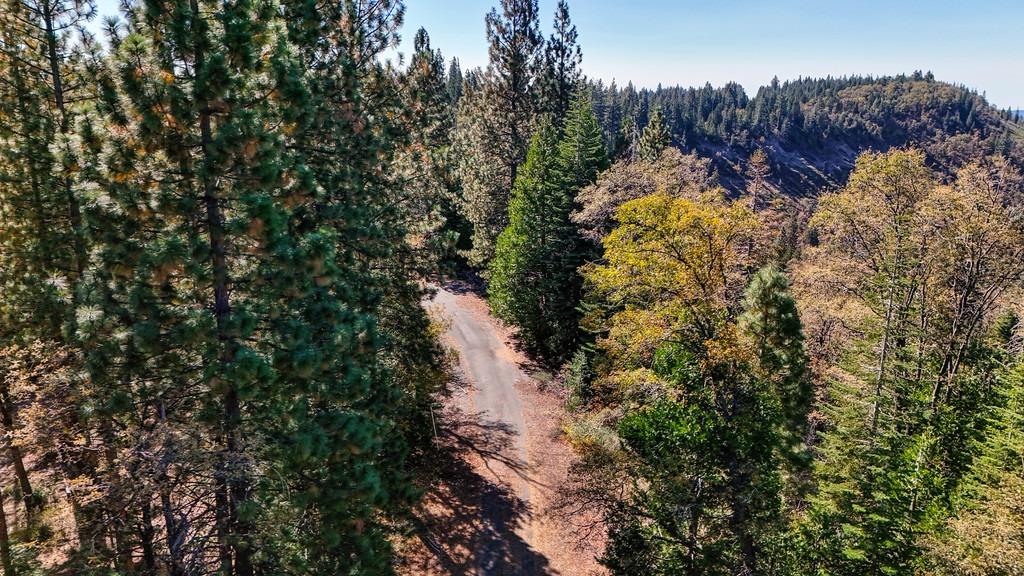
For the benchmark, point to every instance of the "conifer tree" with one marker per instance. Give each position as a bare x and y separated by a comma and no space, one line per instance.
515,52
771,321
429,201
561,66
534,279
915,379
42,48
757,174
518,267
495,128
984,534
581,149
239,254
480,173
654,138
425,228
454,83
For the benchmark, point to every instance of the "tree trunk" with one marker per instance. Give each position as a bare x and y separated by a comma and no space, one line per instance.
7,418
883,357
738,519
5,540
146,539
74,209
237,485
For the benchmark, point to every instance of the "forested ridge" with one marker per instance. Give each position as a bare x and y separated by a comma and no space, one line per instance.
786,329
815,128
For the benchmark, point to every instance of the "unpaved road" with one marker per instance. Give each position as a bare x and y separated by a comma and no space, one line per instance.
486,360
501,464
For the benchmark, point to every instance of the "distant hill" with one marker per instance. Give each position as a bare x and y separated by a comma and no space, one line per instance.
814,129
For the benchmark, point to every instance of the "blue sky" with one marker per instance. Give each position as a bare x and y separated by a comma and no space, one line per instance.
690,42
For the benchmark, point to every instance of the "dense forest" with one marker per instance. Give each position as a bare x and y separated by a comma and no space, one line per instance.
786,329
813,129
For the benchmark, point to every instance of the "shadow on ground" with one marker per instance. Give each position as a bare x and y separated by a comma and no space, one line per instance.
471,522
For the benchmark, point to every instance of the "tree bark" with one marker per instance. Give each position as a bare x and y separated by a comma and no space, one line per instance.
7,418
5,540
236,484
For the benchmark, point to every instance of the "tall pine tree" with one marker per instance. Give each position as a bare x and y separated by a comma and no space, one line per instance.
495,127
561,74
534,279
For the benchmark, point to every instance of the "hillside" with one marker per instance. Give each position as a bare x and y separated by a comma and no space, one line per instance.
813,129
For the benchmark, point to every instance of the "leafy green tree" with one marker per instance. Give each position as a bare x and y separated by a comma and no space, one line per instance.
696,476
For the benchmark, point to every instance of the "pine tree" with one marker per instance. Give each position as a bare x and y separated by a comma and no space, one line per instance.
561,66
424,232
534,280
654,138
757,173
495,129
41,235
480,173
429,201
454,83
771,321
236,295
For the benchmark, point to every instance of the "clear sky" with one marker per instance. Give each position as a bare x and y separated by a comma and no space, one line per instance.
979,43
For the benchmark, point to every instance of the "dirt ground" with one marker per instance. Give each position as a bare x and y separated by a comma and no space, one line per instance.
501,460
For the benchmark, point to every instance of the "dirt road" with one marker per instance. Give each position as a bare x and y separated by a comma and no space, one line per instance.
503,462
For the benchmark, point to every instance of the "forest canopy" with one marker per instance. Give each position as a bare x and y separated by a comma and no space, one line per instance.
784,330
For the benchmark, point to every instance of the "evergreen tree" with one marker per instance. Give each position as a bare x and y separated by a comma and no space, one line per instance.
429,200
913,383
454,83
496,128
984,534
534,281
424,230
581,149
236,299
758,171
771,321
654,138
42,52
480,172
561,66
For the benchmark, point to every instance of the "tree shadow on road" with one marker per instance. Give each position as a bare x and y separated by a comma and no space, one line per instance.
469,283
471,520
